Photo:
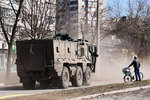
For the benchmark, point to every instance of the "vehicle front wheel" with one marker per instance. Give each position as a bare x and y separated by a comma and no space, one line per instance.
87,76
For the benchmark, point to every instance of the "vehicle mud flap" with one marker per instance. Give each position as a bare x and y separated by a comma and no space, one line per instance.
44,84
28,83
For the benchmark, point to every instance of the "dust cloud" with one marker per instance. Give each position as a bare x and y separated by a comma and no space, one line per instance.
109,69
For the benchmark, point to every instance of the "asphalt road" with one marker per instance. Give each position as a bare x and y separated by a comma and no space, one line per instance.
17,90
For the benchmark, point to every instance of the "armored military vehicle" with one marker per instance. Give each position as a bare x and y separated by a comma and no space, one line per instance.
57,61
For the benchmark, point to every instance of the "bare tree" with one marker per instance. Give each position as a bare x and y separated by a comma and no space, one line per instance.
133,29
10,37
38,17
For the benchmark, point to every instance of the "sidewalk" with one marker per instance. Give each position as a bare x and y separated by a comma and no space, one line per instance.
111,92
13,79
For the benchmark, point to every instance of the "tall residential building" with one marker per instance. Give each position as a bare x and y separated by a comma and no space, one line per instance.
73,15
89,18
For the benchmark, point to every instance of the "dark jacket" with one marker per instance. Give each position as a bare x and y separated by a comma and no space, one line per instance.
136,64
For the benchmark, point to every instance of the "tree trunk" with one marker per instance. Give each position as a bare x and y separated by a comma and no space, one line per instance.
9,56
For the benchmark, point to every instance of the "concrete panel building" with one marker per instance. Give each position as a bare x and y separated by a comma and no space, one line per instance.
73,14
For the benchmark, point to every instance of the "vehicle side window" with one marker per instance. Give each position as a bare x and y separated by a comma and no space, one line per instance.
76,52
82,52
68,50
57,49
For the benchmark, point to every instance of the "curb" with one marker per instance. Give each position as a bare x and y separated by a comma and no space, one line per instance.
112,92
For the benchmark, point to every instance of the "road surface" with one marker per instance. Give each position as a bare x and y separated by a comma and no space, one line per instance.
17,90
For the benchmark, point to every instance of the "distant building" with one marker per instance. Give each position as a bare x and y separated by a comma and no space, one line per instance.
70,14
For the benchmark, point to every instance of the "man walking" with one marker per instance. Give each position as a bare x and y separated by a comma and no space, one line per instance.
136,64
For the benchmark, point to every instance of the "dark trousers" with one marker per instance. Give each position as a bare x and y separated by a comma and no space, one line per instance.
137,74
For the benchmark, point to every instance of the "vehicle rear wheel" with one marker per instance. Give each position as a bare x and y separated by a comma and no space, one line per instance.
78,78
44,84
65,78
127,78
28,84
87,76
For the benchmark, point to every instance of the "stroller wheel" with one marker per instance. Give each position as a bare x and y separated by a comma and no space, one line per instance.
127,78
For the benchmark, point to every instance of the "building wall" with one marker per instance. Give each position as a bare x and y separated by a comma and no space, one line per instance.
89,18
72,14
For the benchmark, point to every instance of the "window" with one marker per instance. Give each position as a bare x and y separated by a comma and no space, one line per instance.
73,8
68,50
73,2
82,52
57,50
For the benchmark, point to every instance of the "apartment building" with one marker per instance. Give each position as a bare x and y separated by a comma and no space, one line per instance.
74,15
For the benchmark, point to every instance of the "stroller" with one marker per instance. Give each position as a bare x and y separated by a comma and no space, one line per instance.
129,76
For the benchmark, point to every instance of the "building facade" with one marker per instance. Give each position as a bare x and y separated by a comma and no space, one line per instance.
73,16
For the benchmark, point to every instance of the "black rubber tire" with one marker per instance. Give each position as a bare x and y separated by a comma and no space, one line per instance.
87,76
78,78
28,84
65,78
127,78
44,84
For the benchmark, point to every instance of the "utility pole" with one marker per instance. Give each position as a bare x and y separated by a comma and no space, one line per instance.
86,10
57,18
98,35
97,23
86,19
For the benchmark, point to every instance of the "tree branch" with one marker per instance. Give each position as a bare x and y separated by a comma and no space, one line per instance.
13,7
16,21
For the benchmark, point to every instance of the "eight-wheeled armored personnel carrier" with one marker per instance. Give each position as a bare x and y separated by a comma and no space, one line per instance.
55,61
